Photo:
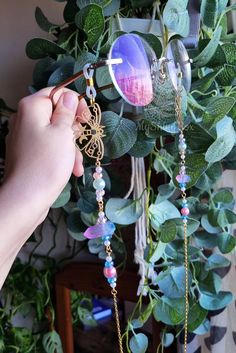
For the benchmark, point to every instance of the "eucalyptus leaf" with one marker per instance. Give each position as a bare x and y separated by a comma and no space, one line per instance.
216,301
87,201
42,71
172,282
203,328
226,217
210,283
226,242
157,113
223,196
196,166
198,140
165,191
227,75
158,252
162,212
63,198
95,245
103,78
138,343
193,225
197,316
208,227
176,17
43,22
209,12
170,311
122,211
143,145
223,144
38,48
206,240
168,231
167,339
216,261
107,45
120,134
91,20
205,56
61,73
70,11
75,227
153,41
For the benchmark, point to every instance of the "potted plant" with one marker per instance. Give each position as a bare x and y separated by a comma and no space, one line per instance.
209,113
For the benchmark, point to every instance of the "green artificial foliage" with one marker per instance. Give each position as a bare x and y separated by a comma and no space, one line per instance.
209,111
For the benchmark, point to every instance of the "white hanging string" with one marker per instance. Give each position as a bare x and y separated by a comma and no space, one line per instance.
137,186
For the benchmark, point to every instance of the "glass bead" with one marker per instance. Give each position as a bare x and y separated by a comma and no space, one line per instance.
98,169
108,258
97,176
100,230
107,242
99,184
109,272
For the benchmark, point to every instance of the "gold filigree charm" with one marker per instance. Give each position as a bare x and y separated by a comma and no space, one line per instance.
88,136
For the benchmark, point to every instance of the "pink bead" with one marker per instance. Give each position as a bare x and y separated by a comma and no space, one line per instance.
185,211
97,175
109,272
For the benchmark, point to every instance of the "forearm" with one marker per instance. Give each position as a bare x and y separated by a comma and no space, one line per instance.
20,213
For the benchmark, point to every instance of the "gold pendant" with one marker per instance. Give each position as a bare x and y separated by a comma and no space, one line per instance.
88,136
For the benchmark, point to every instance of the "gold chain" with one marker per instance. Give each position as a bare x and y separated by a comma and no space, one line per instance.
178,111
114,293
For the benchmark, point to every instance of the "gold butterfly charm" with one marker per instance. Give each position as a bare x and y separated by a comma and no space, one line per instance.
88,136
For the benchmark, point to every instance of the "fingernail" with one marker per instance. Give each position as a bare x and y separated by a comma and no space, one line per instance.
86,114
70,100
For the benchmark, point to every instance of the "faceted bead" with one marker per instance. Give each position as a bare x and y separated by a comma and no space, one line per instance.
100,230
185,211
99,184
99,198
113,285
183,178
101,214
109,258
98,169
107,243
109,272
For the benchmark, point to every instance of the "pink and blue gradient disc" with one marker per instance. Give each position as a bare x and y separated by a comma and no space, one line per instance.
133,77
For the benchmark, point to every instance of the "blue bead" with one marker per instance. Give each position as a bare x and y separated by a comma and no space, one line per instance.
109,264
111,280
184,217
99,184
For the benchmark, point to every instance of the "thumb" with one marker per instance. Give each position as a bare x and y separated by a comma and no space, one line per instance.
66,108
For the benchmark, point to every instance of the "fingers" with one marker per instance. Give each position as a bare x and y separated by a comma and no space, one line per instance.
78,169
66,107
83,113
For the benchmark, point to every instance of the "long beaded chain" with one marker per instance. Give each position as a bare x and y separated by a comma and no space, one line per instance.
103,228
183,179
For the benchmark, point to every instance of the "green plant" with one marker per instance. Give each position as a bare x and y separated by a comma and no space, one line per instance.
209,111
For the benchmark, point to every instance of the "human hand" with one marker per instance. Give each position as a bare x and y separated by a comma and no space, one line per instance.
41,154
